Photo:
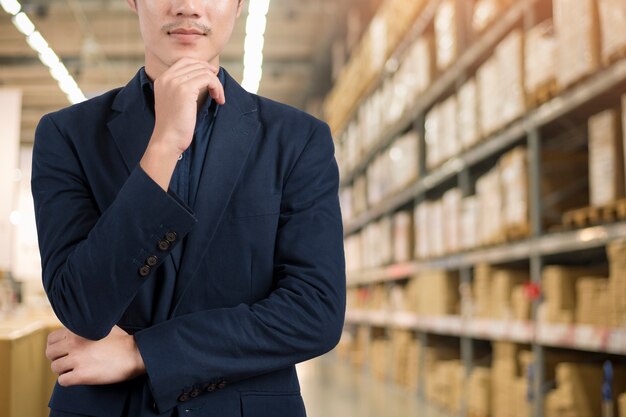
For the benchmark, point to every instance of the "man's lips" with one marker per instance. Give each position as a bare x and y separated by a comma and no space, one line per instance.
186,32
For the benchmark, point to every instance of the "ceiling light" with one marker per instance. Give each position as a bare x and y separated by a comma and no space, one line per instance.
12,7
46,55
37,42
23,23
253,44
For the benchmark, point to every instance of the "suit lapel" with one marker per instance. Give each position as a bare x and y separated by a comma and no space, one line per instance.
234,133
132,127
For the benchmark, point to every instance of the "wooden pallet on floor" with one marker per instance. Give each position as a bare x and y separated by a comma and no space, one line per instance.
594,215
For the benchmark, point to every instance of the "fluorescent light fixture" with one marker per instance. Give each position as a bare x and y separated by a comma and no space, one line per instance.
37,42
12,7
258,7
23,23
253,44
46,55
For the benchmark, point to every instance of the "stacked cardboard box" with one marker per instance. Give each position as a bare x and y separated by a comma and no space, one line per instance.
504,281
577,27
403,161
447,385
379,357
613,24
520,303
434,293
559,290
402,236
616,252
489,96
479,392
469,222
446,34
504,374
360,346
514,180
579,390
540,59
359,194
622,405
352,248
485,12
606,158
468,130
489,192
433,356
510,56
433,127
405,356
592,301
451,203
481,290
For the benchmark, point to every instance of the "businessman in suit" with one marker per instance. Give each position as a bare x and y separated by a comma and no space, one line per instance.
190,235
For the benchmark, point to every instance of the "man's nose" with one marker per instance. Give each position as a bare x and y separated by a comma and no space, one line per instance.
188,8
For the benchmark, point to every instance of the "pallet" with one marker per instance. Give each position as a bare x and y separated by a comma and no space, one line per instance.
542,94
517,232
594,215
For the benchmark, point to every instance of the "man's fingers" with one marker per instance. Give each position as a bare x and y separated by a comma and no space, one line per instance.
68,379
212,83
56,351
62,365
57,336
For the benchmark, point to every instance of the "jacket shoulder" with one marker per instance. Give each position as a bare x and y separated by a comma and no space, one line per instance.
88,110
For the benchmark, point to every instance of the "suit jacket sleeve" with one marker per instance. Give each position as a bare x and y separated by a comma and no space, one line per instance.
300,319
90,259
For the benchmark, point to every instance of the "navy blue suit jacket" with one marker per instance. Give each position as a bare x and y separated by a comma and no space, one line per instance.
261,285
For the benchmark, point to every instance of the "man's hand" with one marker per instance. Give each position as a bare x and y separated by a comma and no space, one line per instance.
177,95
81,361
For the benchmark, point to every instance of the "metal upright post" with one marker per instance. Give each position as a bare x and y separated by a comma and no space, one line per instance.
536,261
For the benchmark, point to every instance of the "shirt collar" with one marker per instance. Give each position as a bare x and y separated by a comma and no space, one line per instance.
147,86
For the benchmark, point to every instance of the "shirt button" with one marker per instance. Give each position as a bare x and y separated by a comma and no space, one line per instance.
180,157
152,260
171,237
221,384
183,397
144,271
164,245
194,393
210,388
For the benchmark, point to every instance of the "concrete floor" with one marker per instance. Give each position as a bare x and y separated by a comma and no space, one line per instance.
332,388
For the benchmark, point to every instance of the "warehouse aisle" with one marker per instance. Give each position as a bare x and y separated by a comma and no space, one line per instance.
332,388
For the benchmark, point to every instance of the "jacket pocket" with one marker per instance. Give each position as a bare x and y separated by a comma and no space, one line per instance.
272,405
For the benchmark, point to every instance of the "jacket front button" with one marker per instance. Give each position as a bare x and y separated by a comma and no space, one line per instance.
144,271
152,260
164,245
171,237
183,397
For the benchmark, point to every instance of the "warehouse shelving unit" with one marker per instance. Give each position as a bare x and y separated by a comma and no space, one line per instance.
534,250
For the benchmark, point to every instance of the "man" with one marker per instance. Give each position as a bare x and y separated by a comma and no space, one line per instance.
190,235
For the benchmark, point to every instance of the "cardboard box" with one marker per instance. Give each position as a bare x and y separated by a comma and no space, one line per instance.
514,179
469,132
481,290
559,290
446,34
504,281
606,158
433,126
452,201
403,158
622,405
489,193
592,301
616,252
489,101
437,293
613,26
577,27
403,236
520,303
510,57
448,132
479,392
469,222
540,58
